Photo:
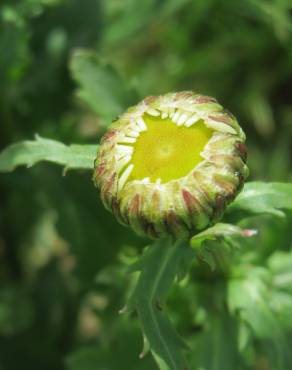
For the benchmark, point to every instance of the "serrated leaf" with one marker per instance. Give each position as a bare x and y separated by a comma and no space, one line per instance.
100,86
159,267
28,153
161,261
260,197
220,230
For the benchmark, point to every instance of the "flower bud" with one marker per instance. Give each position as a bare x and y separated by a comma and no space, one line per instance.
171,164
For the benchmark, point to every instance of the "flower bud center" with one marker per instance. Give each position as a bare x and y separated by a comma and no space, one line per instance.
167,151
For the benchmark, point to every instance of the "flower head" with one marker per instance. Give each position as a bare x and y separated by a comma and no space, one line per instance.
171,164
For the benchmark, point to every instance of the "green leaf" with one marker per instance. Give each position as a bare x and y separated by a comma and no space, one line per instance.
16,310
128,22
280,264
28,153
100,86
159,267
281,303
251,299
118,350
215,345
218,231
218,254
260,197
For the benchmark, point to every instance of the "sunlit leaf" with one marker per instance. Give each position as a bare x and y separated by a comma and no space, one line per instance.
260,197
28,153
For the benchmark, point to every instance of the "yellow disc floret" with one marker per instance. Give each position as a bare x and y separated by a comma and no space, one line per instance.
176,152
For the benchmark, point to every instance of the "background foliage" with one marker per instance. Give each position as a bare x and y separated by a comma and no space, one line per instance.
66,69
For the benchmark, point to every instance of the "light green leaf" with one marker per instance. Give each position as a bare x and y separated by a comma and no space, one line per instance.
244,336
250,298
100,86
220,230
280,264
28,153
260,197
217,254
281,303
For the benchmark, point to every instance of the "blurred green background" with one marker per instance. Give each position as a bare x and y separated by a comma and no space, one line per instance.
67,67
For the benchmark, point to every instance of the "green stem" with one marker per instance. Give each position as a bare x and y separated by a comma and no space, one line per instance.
159,267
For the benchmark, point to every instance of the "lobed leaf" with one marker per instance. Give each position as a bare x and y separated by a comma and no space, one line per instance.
28,153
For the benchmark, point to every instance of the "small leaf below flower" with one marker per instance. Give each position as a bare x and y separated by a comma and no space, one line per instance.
218,231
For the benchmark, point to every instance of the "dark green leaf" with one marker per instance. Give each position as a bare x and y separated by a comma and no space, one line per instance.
159,267
215,346
110,355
